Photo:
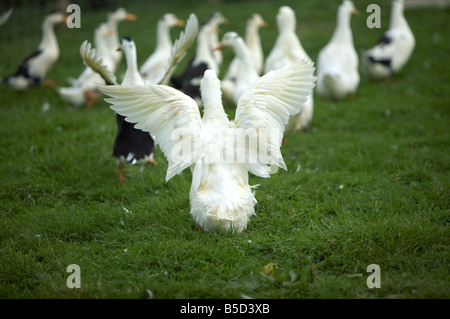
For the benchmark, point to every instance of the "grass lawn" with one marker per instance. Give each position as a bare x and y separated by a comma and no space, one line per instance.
368,184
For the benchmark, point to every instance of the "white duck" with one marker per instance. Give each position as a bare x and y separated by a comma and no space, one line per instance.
253,42
246,74
83,90
33,70
157,61
393,50
337,62
287,50
220,195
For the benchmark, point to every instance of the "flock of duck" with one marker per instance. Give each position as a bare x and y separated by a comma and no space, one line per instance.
151,104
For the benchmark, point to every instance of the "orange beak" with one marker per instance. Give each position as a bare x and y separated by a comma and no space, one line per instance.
219,47
264,24
179,23
225,20
131,17
356,12
64,20
118,49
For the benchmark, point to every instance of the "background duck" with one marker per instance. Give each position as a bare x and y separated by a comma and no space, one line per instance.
33,70
394,48
286,51
157,61
337,62
220,195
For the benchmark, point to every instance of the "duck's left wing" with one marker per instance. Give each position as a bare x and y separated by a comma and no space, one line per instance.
169,115
264,110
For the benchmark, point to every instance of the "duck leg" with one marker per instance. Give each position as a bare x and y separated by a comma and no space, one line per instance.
152,161
48,83
91,97
121,178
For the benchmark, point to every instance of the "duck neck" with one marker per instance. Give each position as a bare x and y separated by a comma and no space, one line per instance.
163,37
252,37
246,64
132,73
397,19
49,37
343,32
113,26
212,97
203,51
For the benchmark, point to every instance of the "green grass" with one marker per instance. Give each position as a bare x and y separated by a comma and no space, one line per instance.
369,184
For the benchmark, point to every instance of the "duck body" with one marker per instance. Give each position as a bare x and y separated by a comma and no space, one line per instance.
337,63
32,71
220,196
227,204
393,50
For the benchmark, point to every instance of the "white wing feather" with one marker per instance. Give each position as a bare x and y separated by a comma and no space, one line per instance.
163,111
267,106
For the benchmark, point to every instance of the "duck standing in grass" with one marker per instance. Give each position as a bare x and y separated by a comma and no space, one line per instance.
33,70
220,195
337,62
394,48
